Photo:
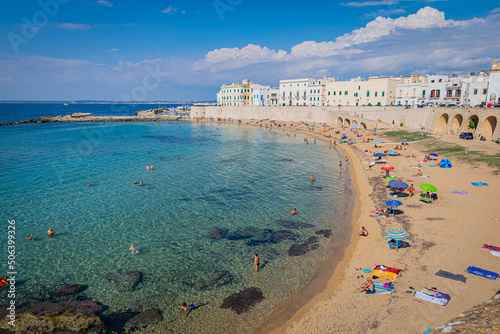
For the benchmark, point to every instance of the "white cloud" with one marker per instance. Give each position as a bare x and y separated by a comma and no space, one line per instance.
381,2
73,26
113,50
494,11
104,3
169,10
183,12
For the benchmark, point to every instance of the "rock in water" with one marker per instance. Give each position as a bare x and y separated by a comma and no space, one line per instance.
294,225
144,319
216,233
125,281
222,276
67,290
298,249
283,234
326,233
242,301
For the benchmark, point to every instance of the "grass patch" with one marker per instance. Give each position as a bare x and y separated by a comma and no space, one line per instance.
451,151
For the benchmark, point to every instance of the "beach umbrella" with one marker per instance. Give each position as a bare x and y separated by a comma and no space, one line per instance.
397,234
398,184
392,153
387,167
377,155
378,142
428,187
433,155
445,163
393,202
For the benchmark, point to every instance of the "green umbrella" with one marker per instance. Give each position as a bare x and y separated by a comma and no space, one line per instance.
428,187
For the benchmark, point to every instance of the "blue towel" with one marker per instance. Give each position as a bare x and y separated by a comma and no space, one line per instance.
432,166
483,273
479,184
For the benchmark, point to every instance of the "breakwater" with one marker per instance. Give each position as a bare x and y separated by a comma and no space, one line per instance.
61,119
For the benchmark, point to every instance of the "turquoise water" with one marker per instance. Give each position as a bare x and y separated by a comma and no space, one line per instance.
45,169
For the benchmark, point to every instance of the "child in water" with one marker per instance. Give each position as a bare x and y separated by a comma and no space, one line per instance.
133,249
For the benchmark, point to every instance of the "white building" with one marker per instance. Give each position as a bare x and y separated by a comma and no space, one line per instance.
261,95
274,98
412,91
437,89
377,91
474,90
493,92
316,91
294,92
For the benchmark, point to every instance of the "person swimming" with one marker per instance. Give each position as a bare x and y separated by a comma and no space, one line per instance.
191,307
294,211
133,248
50,232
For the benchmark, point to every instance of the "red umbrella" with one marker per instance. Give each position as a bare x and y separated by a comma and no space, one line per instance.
387,167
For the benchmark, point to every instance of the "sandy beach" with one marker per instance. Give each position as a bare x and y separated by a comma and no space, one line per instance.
446,235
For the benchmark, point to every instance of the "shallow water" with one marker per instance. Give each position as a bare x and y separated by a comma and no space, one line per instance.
243,183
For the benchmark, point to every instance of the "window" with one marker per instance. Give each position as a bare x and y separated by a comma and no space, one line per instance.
458,93
440,80
311,91
423,93
334,93
359,87
448,93
435,93
484,91
368,93
433,81
328,93
345,93
376,93
340,93
475,91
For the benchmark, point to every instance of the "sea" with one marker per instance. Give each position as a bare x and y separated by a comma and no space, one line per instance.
218,194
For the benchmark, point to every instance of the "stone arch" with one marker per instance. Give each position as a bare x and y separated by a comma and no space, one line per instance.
466,124
362,125
347,123
456,124
354,124
488,128
443,121
340,121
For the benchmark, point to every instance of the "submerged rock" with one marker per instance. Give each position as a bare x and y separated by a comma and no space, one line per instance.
243,233
125,281
242,301
301,249
264,236
67,290
144,319
216,233
222,277
282,235
294,225
312,240
326,233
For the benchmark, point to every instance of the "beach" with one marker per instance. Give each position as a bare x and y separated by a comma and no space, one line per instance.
446,235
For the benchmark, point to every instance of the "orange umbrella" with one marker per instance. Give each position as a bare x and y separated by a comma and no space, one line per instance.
387,167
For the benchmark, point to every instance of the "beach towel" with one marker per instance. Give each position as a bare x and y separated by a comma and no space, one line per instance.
416,167
455,277
382,289
433,296
495,253
383,275
424,176
483,273
460,192
479,184
367,271
389,269
432,166
493,248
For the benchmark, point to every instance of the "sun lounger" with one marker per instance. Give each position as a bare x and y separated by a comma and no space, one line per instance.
483,273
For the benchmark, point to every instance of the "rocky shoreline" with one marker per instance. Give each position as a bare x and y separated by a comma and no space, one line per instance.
89,119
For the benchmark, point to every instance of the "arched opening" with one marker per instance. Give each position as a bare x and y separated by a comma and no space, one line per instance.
354,124
456,124
347,123
443,121
362,125
471,124
340,121
488,127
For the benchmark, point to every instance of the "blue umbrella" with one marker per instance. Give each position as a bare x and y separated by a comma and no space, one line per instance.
398,184
433,155
392,153
378,142
376,155
393,202
445,163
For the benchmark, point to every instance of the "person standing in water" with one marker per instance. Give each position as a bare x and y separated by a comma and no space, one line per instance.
312,178
256,262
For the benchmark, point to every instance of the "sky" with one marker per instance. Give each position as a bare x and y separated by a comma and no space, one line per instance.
124,50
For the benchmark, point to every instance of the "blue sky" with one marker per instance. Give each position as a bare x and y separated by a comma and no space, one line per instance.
184,50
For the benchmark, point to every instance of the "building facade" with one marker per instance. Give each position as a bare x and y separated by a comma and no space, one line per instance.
493,91
376,91
412,91
274,96
236,94
261,95
294,92
474,90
